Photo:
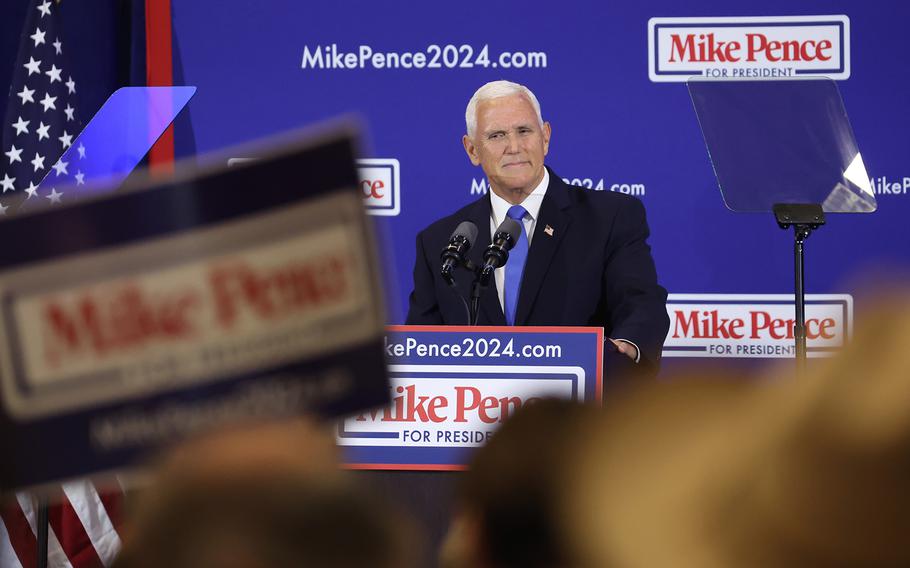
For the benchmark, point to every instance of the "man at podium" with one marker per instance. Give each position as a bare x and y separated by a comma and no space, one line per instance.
582,258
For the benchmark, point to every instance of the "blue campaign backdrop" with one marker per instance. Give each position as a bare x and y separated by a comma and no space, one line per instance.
612,126
610,122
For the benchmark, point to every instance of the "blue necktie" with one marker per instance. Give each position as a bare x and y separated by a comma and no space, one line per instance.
515,266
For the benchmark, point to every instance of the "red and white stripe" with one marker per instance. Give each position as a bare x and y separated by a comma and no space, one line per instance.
83,528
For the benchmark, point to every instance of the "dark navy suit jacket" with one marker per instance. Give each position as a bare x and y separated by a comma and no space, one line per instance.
595,269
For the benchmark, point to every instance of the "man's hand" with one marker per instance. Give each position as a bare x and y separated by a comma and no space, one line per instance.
626,348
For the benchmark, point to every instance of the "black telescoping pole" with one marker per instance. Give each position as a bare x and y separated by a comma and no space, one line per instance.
799,331
804,218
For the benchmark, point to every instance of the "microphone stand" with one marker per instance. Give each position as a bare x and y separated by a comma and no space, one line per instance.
503,241
477,287
481,281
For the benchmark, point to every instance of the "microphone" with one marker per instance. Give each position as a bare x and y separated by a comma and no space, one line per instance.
497,253
460,242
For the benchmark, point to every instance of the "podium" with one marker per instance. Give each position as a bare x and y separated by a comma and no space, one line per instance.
452,387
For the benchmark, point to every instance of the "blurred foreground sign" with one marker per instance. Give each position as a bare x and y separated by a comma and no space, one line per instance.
131,321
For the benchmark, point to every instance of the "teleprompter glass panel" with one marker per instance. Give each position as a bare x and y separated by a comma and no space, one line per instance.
781,141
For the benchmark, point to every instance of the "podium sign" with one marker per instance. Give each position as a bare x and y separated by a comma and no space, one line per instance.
451,388
131,321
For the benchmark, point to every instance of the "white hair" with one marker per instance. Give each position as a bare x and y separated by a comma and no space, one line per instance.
495,90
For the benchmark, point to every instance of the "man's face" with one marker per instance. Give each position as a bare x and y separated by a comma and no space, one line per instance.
509,145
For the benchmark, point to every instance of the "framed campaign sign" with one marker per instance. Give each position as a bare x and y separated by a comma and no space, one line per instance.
132,320
452,386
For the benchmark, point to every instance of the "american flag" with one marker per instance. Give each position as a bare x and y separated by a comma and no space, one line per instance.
41,122
41,118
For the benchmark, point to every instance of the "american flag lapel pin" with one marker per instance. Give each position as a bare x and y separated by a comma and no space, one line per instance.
548,230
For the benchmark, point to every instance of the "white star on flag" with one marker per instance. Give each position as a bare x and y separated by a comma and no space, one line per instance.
3,209
48,102
54,196
47,128
81,149
80,177
7,183
38,162
21,126
14,154
54,73
37,37
26,94
42,131
33,66
60,167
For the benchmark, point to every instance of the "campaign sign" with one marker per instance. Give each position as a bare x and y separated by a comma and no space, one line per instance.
748,47
755,325
452,387
380,182
130,321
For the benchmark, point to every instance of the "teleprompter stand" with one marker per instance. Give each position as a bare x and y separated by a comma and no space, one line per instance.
804,218
787,147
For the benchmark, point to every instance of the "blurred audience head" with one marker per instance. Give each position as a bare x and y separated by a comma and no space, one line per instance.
506,510
789,471
264,497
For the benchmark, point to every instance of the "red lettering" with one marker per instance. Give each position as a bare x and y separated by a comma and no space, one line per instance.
123,318
772,46
779,328
709,326
754,44
678,49
488,403
371,188
823,328
731,49
760,321
277,292
685,325
507,406
461,405
705,48
792,50
386,412
436,404
416,409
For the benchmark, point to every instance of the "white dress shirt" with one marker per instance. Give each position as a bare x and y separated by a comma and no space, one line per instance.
498,214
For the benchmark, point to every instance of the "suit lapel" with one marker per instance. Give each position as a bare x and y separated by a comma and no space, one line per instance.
552,214
489,298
